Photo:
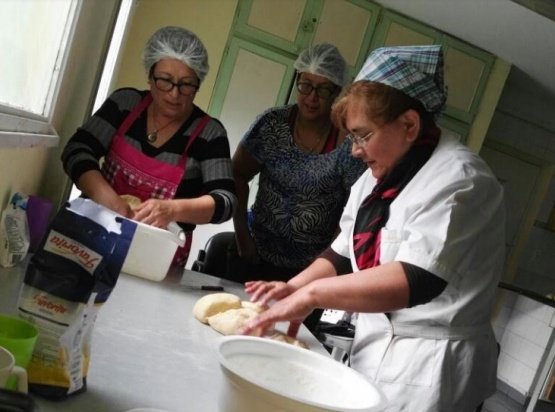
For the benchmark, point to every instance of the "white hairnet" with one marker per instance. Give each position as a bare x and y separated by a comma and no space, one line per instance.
323,60
176,43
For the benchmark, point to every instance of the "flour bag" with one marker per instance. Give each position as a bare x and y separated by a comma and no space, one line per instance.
66,282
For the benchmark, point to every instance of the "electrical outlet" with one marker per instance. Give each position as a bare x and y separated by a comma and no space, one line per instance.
332,316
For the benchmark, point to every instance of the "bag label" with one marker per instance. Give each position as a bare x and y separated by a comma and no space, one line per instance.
70,249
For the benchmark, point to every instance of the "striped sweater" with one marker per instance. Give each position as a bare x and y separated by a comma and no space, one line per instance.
208,169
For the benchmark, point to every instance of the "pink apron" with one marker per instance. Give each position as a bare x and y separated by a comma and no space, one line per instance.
129,171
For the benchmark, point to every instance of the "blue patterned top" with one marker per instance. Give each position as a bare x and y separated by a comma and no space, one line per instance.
301,195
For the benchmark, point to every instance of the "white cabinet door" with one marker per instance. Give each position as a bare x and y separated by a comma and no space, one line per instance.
466,73
347,24
251,80
283,23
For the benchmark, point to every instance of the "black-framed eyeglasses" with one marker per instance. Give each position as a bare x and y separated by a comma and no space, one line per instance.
321,91
166,85
360,141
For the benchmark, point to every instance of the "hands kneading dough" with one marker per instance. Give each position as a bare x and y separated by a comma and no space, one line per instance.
282,337
227,314
213,304
132,201
230,321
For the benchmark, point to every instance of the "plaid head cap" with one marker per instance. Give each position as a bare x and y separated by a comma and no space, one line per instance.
414,70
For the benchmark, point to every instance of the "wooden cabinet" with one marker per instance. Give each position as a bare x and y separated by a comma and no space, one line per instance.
285,24
251,79
466,74
349,25
396,30
292,25
257,70
267,36
466,67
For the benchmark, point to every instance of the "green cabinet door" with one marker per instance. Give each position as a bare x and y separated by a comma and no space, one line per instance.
284,24
396,30
349,25
467,68
251,79
292,25
467,71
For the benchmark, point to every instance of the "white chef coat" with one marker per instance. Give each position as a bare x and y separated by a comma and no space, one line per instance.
449,220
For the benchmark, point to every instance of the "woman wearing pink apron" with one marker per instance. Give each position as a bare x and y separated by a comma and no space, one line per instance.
157,145
131,172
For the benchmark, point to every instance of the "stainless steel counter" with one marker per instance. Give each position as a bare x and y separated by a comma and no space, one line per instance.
147,349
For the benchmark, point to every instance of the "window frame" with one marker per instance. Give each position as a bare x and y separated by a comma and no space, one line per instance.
20,128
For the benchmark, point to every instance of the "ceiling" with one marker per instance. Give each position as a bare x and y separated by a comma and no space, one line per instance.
505,28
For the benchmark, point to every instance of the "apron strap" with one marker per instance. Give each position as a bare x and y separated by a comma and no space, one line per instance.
441,332
136,112
196,131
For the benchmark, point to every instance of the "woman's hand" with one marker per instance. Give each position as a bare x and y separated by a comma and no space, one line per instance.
263,292
155,212
294,308
93,185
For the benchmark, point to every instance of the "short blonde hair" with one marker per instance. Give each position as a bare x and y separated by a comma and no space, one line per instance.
383,104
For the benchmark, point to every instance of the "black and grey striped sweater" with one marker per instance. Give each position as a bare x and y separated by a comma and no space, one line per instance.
208,164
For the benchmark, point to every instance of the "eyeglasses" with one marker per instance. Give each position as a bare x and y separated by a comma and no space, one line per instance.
166,85
360,141
321,91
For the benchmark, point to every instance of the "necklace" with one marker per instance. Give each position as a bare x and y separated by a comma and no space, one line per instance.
153,136
310,149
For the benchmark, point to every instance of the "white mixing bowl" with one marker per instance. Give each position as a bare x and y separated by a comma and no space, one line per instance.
265,375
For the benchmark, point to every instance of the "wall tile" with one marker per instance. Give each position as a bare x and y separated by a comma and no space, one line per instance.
543,335
532,357
511,344
498,331
524,377
548,314
517,322
502,317
505,366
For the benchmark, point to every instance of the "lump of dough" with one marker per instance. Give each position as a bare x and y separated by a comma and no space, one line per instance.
132,201
254,306
230,321
214,303
282,337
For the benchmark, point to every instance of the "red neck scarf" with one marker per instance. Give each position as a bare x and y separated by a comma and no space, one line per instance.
374,209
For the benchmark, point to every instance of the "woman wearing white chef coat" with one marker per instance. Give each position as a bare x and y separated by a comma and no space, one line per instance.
421,244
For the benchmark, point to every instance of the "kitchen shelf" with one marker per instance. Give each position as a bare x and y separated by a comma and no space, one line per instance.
529,294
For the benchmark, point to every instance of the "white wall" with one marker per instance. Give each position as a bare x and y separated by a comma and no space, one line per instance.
523,329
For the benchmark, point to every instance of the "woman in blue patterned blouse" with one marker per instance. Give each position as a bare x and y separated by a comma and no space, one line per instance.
305,172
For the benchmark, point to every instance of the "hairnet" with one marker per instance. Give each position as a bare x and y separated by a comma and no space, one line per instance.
415,70
323,60
176,43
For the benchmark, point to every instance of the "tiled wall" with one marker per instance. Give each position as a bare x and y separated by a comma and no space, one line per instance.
523,327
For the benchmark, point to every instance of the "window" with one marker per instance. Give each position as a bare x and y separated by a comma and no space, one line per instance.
34,35
106,79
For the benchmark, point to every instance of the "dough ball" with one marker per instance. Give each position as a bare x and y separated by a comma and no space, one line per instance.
254,306
213,304
282,337
132,201
230,321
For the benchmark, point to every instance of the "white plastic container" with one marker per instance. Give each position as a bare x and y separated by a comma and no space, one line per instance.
152,251
264,375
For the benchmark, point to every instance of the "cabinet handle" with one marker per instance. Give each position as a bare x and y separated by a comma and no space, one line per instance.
308,25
